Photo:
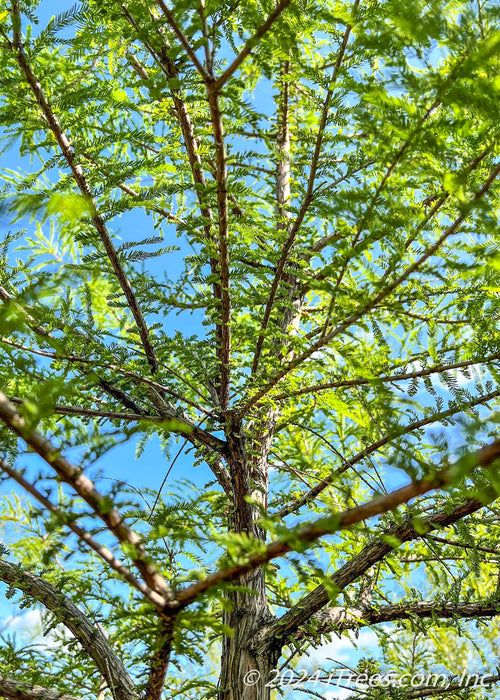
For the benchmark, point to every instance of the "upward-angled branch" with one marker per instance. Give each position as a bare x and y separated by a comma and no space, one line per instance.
183,40
306,202
251,43
221,180
81,181
280,631
169,69
88,635
402,377
310,495
102,551
384,293
340,521
86,489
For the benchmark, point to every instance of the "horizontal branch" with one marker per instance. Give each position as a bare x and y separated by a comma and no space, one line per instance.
305,536
402,377
21,690
86,490
192,432
88,635
338,619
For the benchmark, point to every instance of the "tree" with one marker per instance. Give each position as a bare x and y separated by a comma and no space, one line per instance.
325,341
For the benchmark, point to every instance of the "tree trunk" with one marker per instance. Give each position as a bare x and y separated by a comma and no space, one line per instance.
245,672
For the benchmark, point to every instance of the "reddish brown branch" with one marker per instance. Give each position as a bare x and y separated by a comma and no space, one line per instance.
251,43
86,489
340,521
346,383
81,181
310,495
102,551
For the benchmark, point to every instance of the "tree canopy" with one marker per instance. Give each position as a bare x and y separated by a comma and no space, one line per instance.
265,235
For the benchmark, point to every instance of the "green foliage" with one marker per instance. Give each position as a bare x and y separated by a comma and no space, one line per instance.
379,358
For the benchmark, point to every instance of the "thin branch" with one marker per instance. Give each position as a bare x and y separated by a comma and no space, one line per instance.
88,634
463,545
223,239
295,505
346,383
86,490
191,144
116,368
334,523
183,41
305,204
251,43
81,181
384,293
102,551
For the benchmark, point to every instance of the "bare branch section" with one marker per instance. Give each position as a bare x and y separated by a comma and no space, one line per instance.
339,619
102,551
280,631
20,690
341,521
89,635
86,489
81,181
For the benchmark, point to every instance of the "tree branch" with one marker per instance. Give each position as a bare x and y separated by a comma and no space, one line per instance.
338,619
67,520
81,181
183,41
21,690
251,43
278,632
306,535
160,661
86,489
385,292
221,181
305,204
295,505
345,383
88,634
